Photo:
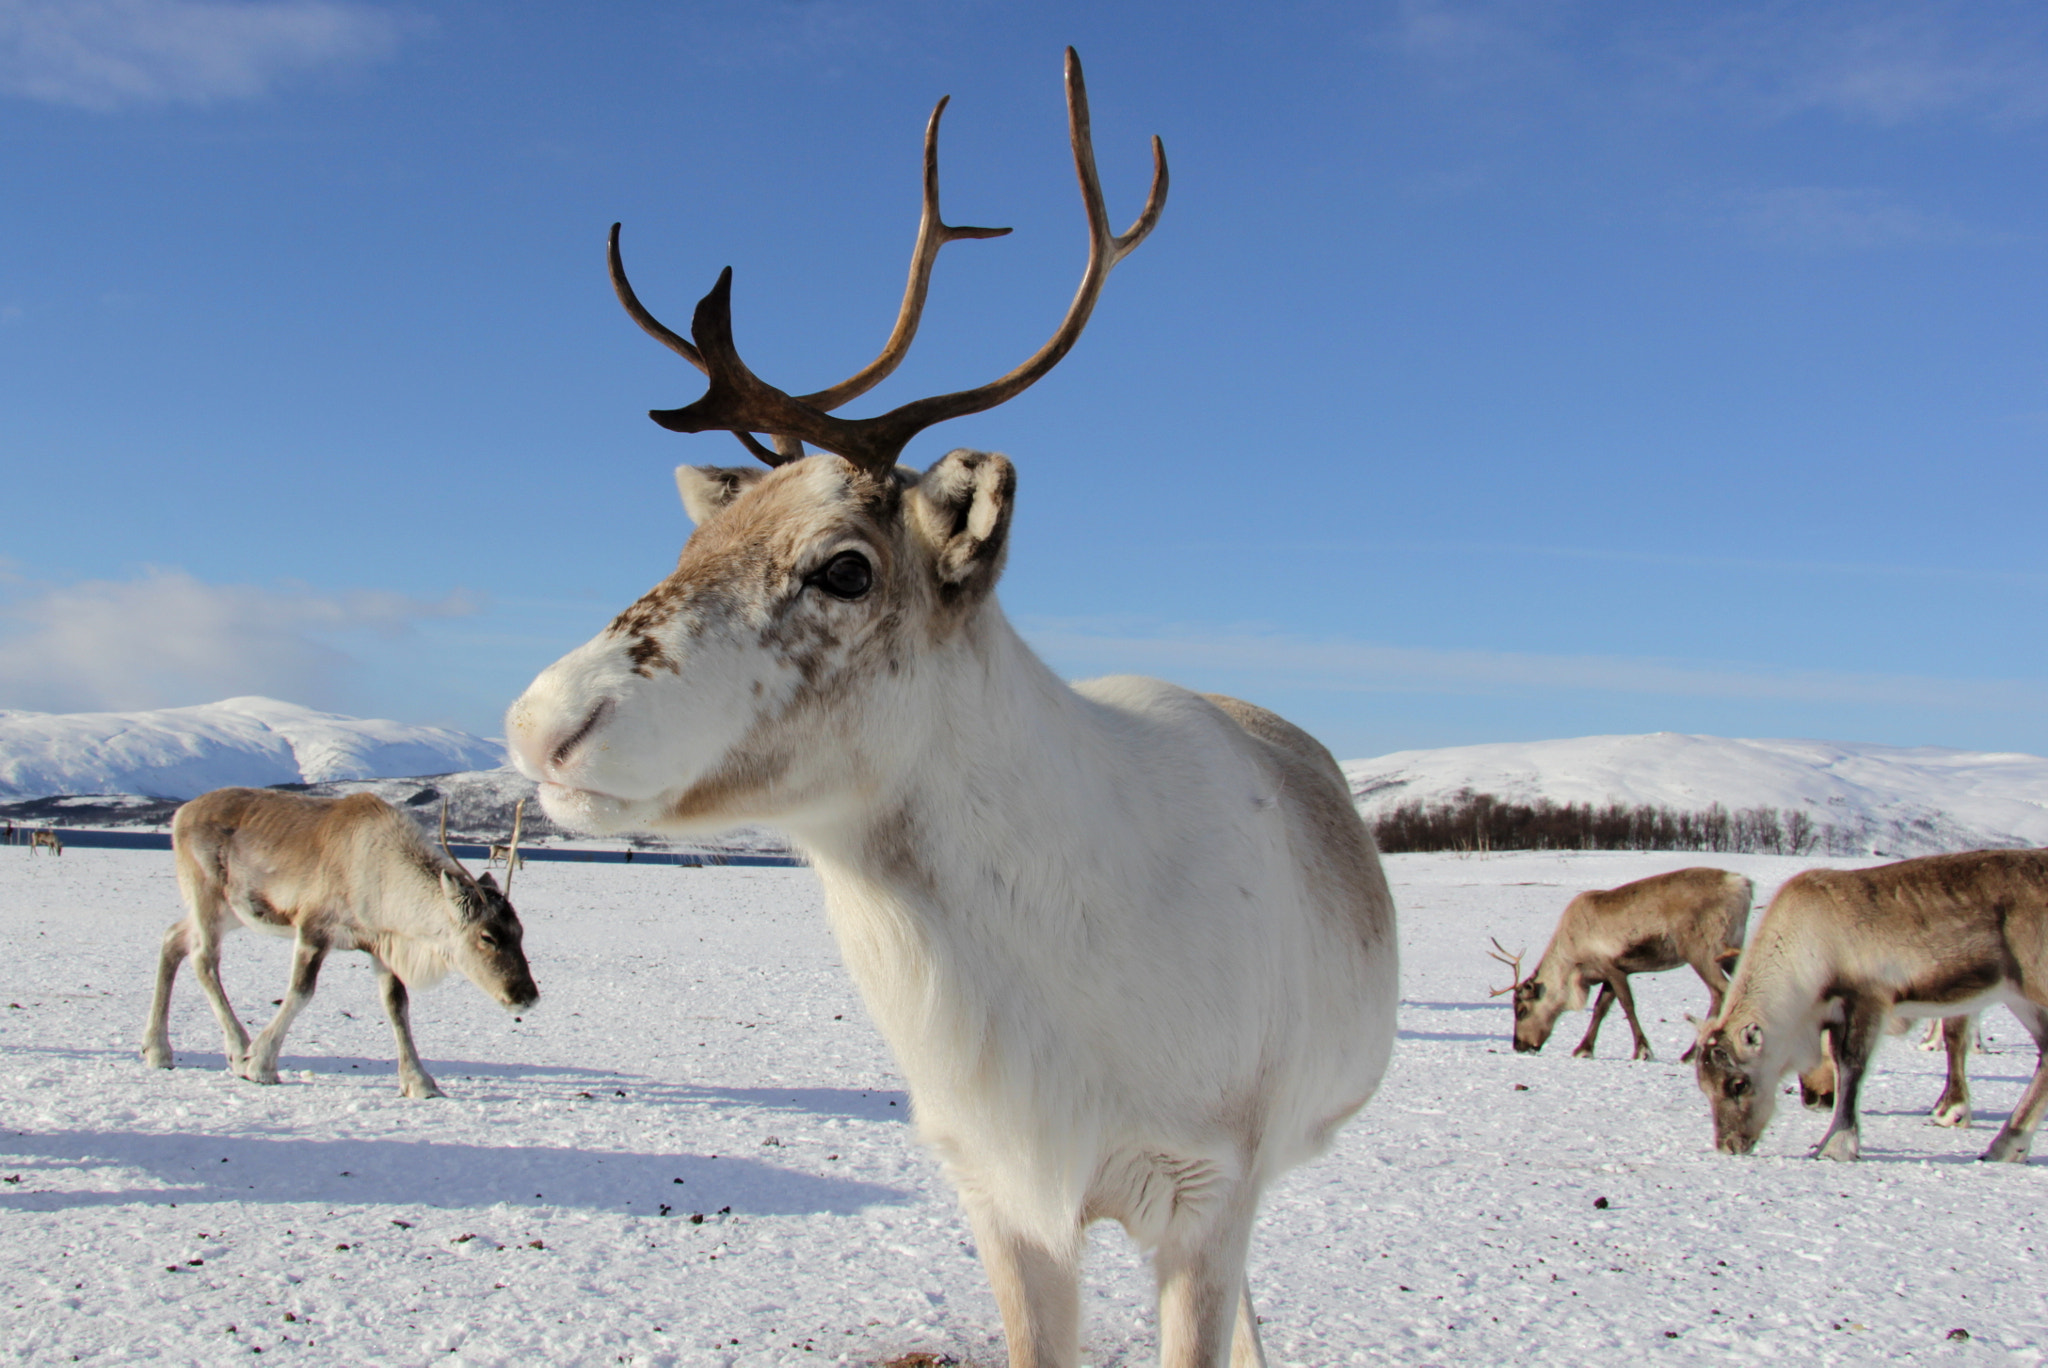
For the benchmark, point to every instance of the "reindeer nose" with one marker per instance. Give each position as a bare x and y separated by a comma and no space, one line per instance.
541,740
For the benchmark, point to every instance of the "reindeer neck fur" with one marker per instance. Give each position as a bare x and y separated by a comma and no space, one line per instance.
1781,987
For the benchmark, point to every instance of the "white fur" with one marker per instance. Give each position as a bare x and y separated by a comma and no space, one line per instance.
1126,973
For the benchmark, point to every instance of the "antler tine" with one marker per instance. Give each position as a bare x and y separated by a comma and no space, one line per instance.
1512,959
660,332
739,401
933,232
444,834
512,854
1105,250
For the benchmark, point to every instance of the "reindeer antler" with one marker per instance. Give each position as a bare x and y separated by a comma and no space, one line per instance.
742,403
512,854
1512,960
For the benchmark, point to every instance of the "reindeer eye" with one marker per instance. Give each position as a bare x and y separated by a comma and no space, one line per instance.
847,575
1737,1086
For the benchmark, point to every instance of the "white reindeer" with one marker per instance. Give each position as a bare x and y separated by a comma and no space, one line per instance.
1846,952
348,873
1131,945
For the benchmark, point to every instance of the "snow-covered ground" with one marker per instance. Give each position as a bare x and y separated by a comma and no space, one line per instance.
699,1052
1901,800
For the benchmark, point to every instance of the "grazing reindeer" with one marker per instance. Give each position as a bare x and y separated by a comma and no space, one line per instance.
348,873
1689,916
1131,945
44,838
1847,951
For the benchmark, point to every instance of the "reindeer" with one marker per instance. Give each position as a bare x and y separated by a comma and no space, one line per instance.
1131,945
350,873
1688,916
45,838
1848,951
505,853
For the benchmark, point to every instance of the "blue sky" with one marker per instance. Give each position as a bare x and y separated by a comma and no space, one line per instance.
1500,370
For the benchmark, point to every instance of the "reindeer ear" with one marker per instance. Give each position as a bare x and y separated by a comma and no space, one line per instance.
1727,958
485,880
961,507
706,490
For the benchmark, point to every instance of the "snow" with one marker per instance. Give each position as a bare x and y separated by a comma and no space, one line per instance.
1901,800
182,752
696,1025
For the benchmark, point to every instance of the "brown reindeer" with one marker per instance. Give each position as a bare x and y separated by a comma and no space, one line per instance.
1689,916
504,852
1848,951
45,838
350,873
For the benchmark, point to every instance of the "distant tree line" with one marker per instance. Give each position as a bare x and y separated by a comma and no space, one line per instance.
1481,822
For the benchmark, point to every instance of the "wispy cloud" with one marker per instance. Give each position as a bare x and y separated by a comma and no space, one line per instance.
106,55
1286,660
1825,217
167,639
1885,62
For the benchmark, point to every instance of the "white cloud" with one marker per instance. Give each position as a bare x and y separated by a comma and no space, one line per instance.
110,54
168,639
1886,62
1286,660
1825,216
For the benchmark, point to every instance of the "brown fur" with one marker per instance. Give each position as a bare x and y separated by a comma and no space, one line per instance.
1843,951
348,873
1688,916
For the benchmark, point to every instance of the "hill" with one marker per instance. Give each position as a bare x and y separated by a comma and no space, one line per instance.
1883,800
180,752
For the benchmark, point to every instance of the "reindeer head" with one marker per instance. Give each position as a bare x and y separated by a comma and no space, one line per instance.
1739,1075
812,615
1536,1008
486,941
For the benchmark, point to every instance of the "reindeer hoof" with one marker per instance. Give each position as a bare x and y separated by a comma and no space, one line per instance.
1583,1052
1644,1055
1842,1147
1952,1115
422,1089
157,1059
2007,1150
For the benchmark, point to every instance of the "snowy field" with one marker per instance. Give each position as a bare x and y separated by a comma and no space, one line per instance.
699,1053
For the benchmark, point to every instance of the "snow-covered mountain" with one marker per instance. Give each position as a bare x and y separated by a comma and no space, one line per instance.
180,752
1896,800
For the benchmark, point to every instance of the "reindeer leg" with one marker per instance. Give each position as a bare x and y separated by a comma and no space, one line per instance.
2015,1141
1603,998
1200,1268
413,1079
1817,1084
1854,1041
1952,1108
1245,1349
206,968
1628,1007
156,1034
1037,1290
307,956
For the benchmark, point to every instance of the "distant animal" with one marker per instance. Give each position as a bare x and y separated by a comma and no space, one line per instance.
1131,945
507,853
1846,951
348,873
1688,916
45,839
